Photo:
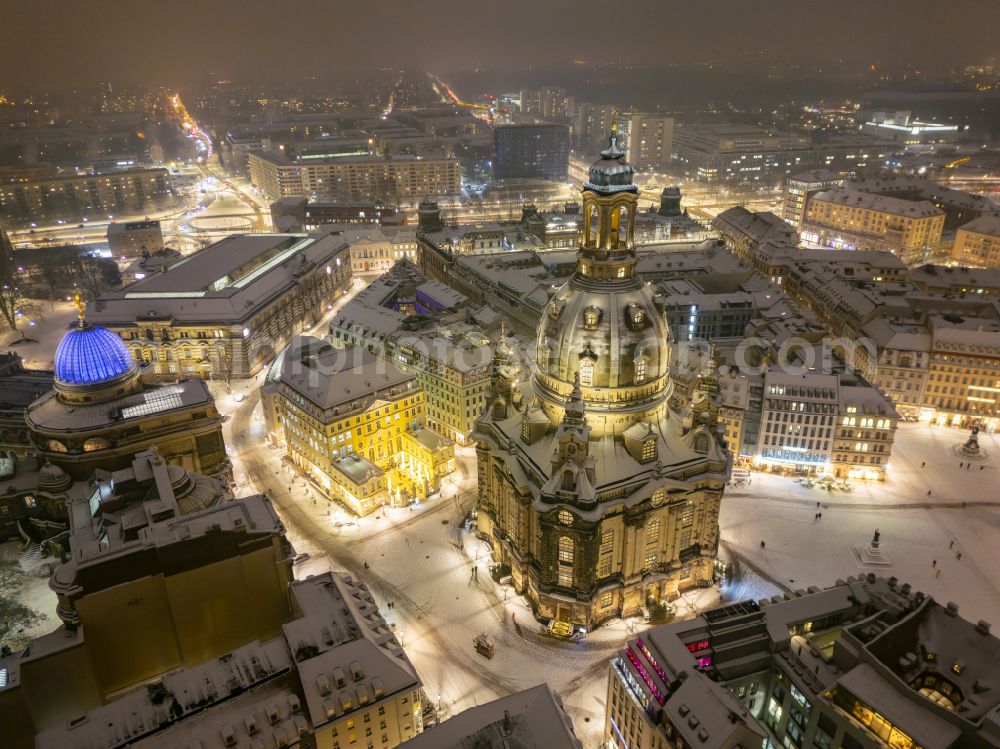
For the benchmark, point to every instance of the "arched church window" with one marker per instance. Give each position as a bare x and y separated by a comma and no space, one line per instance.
96,443
587,372
640,370
593,226
622,226
566,560
568,482
57,446
701,443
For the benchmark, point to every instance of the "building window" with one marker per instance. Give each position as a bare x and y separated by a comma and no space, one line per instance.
591,318
649,449
640,370
606,550
565,517
586,372
566,558
652,544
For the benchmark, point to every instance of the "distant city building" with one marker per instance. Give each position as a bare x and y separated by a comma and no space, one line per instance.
800,187
103,409
845,218
224,311
866,663
547,102
134,238
80,196
421,327
531,152
356,178
929,336
959,207
977,243
355,424
649,138
375,249
736,154
902,128
296,214
591,125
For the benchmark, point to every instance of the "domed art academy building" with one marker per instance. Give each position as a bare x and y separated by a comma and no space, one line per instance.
599,497
103,409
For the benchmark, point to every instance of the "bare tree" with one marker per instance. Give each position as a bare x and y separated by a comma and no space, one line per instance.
10,300
10,283
15,617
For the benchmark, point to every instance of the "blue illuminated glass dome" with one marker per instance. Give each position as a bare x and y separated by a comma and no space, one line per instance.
90,355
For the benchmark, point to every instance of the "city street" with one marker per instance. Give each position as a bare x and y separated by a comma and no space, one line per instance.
422,561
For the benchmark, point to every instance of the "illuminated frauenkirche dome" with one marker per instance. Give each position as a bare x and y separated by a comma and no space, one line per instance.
598,496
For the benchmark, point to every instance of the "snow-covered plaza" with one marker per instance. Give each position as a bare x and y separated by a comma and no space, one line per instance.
422,560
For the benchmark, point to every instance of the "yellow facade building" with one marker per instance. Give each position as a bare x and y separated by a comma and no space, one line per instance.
841,218
977,243
355,424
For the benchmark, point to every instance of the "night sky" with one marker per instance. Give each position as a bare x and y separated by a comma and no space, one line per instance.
79,41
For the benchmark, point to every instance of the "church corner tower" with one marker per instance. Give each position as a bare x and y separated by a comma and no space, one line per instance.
597,495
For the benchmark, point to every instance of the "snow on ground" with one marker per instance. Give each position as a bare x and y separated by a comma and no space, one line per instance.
920,533
422,561
47,327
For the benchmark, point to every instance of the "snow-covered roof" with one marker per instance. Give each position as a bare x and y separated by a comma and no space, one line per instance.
532,719
226,283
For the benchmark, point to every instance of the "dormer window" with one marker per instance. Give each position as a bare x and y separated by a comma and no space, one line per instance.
591,318
636,316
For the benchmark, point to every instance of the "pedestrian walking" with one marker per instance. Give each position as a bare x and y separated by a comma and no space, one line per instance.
981,467
817,504
821,516
951,545
928,492
762,544
934,563
968,466
958,556
923,463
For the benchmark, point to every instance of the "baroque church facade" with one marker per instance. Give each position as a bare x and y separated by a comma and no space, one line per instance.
597,486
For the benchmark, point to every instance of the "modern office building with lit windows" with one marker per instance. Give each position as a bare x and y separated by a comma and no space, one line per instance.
354,178
822,424
869,663
531,152
86,195
224,311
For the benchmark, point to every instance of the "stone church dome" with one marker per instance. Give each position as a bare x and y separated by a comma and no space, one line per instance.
603,324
